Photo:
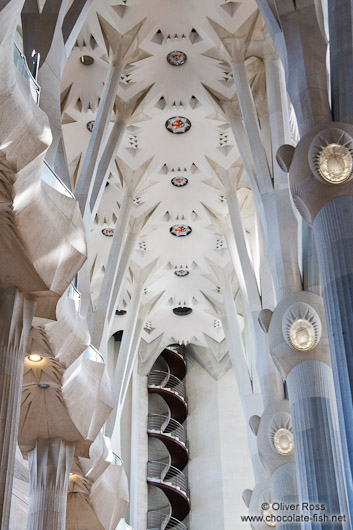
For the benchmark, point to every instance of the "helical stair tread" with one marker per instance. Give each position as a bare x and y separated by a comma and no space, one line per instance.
178,498
176,363
178,407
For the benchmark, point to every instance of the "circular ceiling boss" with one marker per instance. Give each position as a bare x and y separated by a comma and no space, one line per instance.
178,124
181,273
109,232
180,230
179,181
182,311
176,58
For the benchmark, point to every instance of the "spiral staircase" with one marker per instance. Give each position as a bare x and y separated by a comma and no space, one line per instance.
166,469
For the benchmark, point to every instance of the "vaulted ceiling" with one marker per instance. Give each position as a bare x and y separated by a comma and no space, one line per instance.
192,157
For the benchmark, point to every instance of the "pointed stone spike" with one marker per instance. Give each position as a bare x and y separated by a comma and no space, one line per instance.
131,178
127,109
123,46
218,348
236,43
148,353
140,274
216,305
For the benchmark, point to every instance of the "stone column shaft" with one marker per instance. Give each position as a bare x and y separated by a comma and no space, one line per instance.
249,114
129,246
270,380
16,316
89,168
105,163
341,57
284,484
50,464
334,245
123,360
318,453
112,269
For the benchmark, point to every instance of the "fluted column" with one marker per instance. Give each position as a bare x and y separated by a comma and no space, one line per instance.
334,245
328,208
310,387
284,483
50,463
317,439
280,465
16,315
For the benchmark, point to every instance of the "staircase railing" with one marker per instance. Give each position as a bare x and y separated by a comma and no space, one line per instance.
168,426
170,476
161,521
160,379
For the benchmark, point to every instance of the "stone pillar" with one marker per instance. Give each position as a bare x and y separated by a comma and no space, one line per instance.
139,274
310,387
334,244
327,206
132,179
284,484
16,314
316,439
50,463
281,467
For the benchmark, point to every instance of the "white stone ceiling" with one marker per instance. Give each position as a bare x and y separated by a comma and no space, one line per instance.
170,25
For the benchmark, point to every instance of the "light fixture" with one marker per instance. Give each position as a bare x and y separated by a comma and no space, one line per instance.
302,334
335,163
283,441
43,385
34,357
266,514
87,60
90,125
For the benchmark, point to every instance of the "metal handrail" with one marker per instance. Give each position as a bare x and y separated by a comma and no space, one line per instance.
160,379
168,426
93,355
22,67
117,461
161,521
157,471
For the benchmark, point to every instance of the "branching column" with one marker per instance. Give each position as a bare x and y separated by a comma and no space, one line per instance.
123,365
132,179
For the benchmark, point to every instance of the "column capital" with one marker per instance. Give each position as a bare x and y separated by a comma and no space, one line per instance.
296,331
320,167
